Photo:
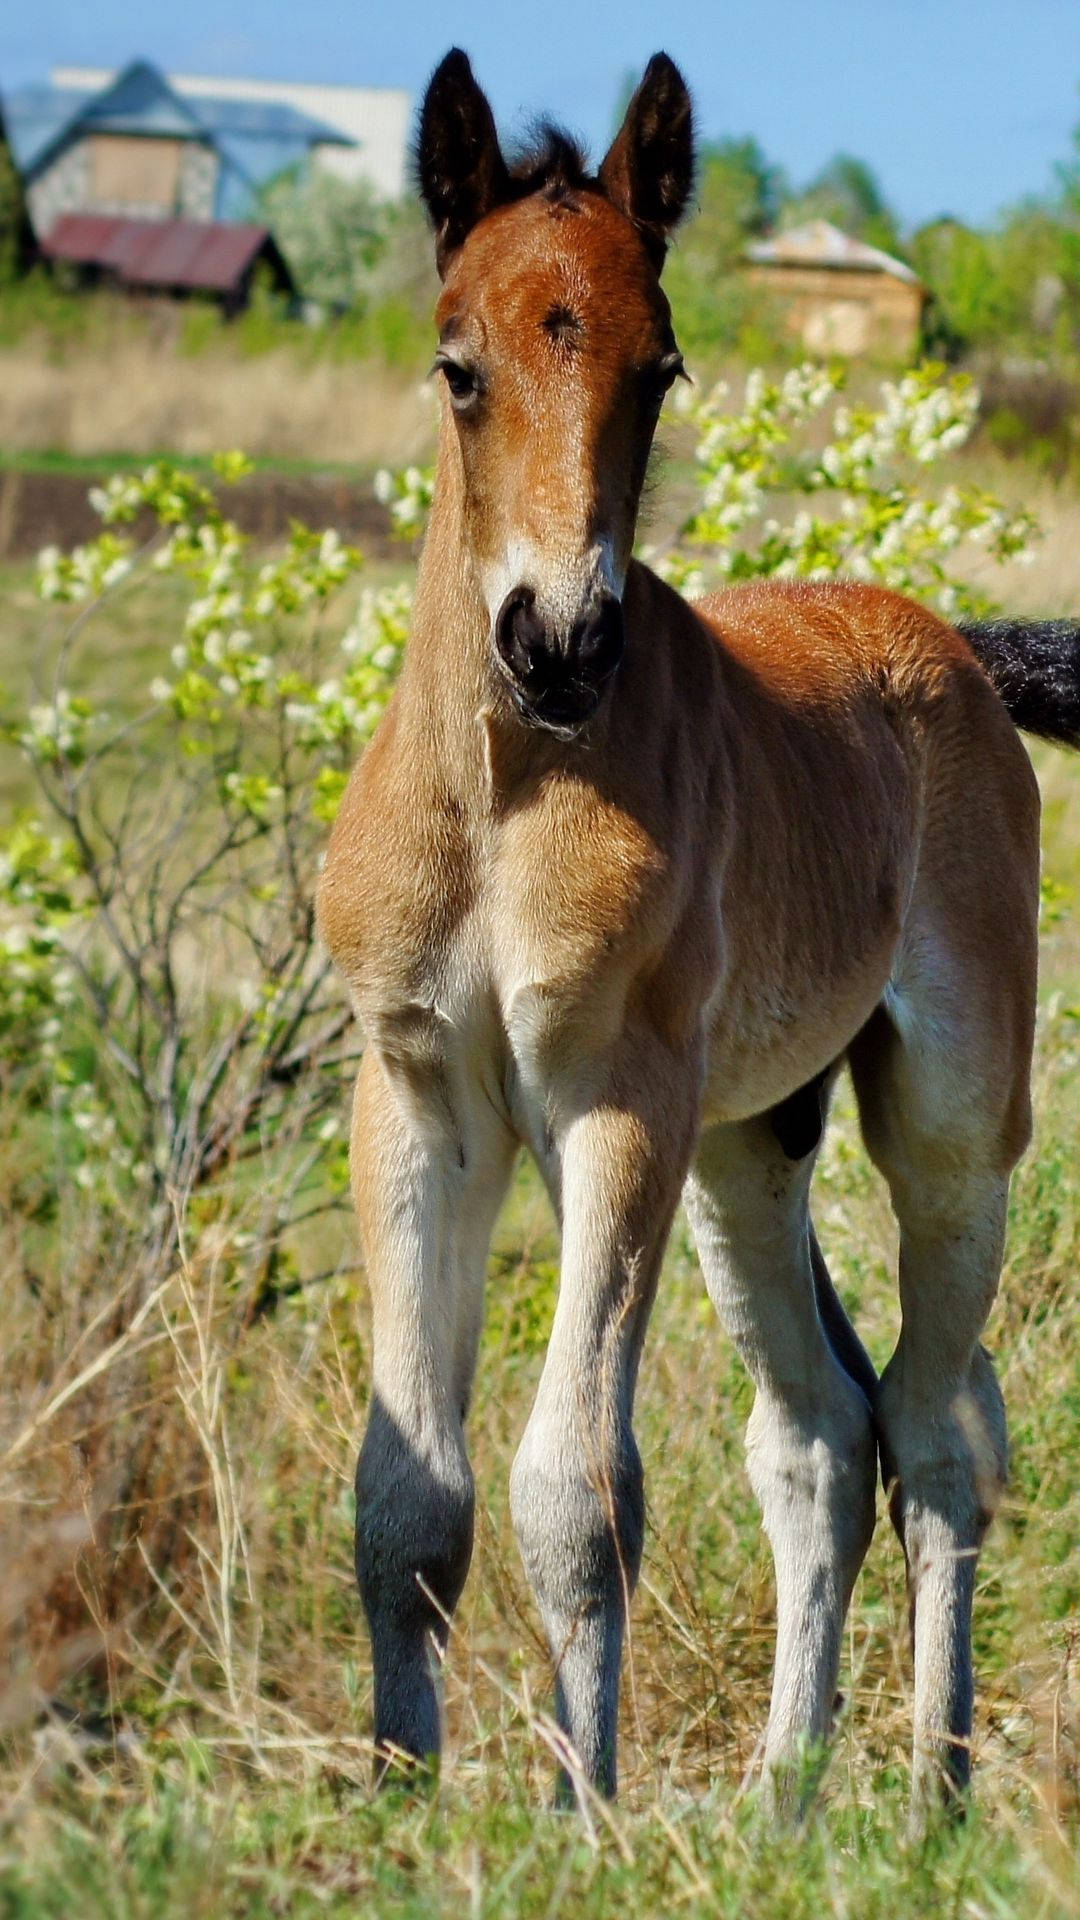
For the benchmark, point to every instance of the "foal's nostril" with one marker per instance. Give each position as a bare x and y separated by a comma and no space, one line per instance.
520,635
557,677
596,643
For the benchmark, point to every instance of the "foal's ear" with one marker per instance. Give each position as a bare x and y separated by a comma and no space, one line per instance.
462,172
649,169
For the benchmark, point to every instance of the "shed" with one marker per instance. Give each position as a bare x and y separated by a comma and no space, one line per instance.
219,257
838,295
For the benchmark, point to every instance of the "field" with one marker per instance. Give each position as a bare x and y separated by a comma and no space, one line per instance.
186,1710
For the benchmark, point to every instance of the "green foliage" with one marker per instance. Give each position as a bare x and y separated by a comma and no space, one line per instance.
738,197
958,265
868,520
847,193
251,726
14,220
329,229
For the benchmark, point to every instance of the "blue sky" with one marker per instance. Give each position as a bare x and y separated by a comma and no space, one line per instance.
960,106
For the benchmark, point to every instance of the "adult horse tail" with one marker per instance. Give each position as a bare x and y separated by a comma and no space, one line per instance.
1035,666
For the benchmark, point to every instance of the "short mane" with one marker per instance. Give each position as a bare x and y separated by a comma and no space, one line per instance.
551,162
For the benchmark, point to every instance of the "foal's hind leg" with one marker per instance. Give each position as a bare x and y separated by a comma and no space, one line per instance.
429,1170
945,1120
810,1441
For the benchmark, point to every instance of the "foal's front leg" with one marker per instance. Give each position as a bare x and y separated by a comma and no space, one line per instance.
576,1491
430,1166
810,1442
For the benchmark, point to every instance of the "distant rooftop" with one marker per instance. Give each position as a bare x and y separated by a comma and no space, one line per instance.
373,121
265,135
179,255
820,244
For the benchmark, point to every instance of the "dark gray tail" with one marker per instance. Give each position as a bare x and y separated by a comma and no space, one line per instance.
1035,666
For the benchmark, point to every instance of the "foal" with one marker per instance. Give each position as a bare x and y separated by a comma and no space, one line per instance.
626,880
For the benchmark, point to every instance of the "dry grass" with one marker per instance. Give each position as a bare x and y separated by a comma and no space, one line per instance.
141,397
1050,585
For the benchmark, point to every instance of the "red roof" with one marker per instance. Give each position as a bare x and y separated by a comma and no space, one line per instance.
210,254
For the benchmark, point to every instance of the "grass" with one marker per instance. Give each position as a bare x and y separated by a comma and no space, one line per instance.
137,394
185,1726
92,466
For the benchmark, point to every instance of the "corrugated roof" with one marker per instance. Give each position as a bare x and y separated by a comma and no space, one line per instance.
267,135
211,256
820,244
375,120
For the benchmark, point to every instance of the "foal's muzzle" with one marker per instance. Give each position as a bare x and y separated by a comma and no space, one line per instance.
557,681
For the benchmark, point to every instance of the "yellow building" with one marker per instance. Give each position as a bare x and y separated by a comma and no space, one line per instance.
838,295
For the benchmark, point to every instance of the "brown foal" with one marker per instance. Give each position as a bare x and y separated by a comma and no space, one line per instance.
627,880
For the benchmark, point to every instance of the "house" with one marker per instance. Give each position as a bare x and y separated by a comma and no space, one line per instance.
838,295
375,121
136,148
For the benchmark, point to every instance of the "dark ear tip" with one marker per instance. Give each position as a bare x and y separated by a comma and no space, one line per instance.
454,66
663,68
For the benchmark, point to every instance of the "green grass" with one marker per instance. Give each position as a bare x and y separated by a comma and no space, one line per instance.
94,465
218,1764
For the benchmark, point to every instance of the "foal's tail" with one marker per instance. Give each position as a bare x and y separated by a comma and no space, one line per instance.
1035,666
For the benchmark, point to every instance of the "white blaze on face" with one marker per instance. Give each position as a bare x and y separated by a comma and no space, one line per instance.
567,586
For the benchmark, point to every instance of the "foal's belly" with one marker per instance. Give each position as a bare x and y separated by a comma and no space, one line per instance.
772,1029
753,1067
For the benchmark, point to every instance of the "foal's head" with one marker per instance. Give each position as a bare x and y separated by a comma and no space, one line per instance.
556,347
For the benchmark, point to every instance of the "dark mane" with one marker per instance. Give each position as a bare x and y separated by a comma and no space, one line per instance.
551,162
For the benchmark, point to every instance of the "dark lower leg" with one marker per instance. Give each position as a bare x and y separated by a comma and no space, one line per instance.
414,1527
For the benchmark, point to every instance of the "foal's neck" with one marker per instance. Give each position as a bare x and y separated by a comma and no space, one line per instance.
447,671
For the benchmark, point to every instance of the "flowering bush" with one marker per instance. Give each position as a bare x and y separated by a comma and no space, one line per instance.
162,991
162,903
873,520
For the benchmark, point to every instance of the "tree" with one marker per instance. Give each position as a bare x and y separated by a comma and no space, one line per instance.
15,231
1068,261
958,266
330,230
739,195
847,193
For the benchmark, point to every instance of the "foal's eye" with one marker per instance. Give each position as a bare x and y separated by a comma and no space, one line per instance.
462,381
664,373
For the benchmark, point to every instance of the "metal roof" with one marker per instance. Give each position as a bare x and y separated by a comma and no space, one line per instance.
211,255
820,244
139,100
375,120
34,116
259,138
